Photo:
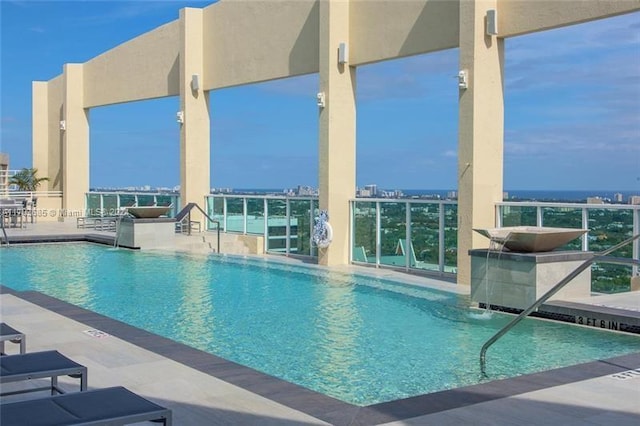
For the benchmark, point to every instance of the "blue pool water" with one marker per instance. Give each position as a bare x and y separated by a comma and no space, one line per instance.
359,339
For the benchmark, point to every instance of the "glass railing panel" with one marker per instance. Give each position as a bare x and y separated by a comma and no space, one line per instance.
300,227
235,215
393,234
519,215
450,238
364,222
146,200
169,200
608,227
93,205
425,222
127,200
277,226
564,217
610,278
255,216
166,200
215,209
109,205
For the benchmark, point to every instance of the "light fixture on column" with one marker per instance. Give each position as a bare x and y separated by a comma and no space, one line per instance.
195,82
343,53
320,99
63,125
492,22
463,79
180,117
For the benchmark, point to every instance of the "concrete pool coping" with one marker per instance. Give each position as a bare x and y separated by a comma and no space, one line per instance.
328,409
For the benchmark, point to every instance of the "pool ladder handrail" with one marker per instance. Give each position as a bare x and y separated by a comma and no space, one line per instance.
186,213
587,263
4,232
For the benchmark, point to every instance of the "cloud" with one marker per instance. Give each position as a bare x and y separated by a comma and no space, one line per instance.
450,153
576,54
37,30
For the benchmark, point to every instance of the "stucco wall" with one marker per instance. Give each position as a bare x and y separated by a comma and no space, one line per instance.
386,29
252,41
521,17
145,67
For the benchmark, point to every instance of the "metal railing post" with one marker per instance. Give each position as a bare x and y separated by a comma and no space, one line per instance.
441,241
407,236
378,234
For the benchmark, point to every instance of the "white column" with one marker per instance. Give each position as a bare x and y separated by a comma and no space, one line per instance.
481,131
194,106
337,139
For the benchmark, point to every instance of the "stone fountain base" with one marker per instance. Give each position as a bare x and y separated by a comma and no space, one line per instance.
517,280
146,233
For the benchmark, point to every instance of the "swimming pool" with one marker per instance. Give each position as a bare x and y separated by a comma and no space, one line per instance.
359,339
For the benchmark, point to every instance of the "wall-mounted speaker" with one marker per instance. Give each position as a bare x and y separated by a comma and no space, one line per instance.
343,53
492,22
195,82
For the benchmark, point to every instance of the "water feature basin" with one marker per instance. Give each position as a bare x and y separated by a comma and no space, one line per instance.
531,239
150,212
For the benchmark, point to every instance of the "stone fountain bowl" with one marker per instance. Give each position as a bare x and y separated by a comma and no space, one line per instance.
151,212
530,239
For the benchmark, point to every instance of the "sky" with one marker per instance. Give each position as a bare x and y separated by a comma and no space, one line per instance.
572,108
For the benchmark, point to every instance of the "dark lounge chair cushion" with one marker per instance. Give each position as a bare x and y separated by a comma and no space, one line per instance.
42,361
116,405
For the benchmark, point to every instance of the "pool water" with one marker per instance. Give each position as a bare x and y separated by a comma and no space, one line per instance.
359,339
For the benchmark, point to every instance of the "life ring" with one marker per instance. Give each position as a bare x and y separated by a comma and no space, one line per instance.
322,231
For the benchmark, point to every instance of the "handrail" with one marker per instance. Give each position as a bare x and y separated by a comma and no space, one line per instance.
186,211
32,194
3,213
4,231
546,296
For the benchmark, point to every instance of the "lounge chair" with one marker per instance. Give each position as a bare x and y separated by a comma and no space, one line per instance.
38,365
110,406
12,335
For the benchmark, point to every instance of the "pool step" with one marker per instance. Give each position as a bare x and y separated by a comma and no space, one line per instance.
207,242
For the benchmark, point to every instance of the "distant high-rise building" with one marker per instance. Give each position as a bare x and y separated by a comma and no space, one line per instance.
452,195
634,199
373,189
617,198
364,193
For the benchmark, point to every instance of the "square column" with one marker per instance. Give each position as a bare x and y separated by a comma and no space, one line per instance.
40,132
337,138
75,141
194,107
481,130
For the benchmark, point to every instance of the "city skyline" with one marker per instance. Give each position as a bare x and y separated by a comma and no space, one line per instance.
572,99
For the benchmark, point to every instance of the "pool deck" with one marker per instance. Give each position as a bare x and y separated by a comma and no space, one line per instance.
203,389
